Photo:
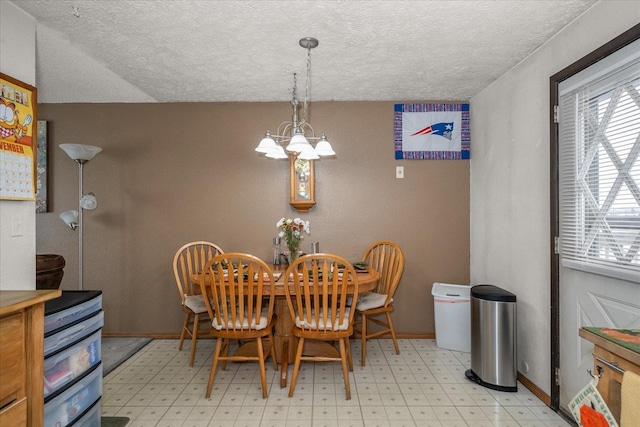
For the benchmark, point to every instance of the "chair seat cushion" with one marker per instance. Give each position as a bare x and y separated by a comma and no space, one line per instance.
369,300
195,303
262,323
334,323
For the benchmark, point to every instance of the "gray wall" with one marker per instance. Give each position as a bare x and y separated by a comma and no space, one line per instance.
510,187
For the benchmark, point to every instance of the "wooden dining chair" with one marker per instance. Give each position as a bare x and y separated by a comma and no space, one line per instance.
318,296
387,258
239,292
190,259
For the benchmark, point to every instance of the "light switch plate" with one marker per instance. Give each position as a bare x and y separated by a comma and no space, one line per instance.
16,226
399,172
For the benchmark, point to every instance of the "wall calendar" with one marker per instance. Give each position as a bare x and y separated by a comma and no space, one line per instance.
18,149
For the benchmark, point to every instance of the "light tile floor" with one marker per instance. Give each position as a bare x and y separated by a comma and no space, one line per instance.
423,386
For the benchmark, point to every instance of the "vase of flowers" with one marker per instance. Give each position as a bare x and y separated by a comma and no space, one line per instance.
293,232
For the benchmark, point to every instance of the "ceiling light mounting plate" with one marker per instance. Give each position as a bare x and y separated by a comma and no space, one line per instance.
308,42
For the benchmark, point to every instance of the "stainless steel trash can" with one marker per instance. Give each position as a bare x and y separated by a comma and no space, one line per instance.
493,338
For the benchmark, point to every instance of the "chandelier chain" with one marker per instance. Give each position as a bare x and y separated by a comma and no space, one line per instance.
306,85
294,100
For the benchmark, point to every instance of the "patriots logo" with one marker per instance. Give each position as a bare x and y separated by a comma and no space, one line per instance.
441,129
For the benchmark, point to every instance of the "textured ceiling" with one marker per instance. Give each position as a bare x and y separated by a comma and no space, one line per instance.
221,50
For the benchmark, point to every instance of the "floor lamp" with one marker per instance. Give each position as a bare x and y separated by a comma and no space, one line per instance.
81,154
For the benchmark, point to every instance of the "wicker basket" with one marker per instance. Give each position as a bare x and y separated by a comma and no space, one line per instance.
49,271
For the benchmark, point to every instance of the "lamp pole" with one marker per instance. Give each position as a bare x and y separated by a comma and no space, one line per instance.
80,225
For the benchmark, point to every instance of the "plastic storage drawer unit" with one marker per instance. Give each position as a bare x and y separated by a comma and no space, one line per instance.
63,367
493,338
72,403
91,419
58,340
71,307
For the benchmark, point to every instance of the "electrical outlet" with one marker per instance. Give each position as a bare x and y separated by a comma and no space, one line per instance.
399,172
17,226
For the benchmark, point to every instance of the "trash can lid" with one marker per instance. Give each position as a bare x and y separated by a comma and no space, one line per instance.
492,293
452,292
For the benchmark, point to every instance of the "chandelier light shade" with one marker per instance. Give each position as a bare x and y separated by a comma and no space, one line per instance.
277,154
81,154
308,153
298,143
267,144
297,135
323,148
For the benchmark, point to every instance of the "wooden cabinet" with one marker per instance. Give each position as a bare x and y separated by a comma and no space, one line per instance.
611,360
12,365
22,356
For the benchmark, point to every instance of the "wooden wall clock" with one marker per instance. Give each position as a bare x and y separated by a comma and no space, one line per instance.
302,183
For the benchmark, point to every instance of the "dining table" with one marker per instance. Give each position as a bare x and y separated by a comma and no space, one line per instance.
284,340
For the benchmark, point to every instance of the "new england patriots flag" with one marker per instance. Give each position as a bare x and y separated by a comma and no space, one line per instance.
431,131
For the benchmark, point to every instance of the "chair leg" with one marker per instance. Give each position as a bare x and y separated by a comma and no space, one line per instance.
349,356
363,338
296,366
345,373
225,353
357,319
185,328
214,367
194,337
273,352
393,332
263,373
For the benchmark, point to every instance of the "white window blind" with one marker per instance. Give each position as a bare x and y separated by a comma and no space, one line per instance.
599,138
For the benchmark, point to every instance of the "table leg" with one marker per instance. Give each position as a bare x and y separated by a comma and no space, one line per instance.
283,338
284,362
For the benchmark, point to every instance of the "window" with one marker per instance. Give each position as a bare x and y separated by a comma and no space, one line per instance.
600,167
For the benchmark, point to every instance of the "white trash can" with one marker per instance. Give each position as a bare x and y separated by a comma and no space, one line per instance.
453,316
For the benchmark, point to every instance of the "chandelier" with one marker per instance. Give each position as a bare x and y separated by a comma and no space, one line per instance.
297,135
